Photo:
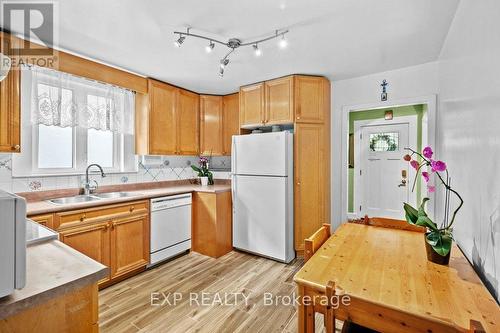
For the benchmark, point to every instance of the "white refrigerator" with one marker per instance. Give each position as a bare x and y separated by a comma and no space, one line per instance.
262,189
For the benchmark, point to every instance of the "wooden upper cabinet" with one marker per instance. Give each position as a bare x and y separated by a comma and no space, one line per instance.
129,244
279,101
10,110
188,105
252,110
162,118
312,94
310,168
167,121
230,121
211,125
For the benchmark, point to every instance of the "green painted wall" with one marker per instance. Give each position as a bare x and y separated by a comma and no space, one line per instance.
401,111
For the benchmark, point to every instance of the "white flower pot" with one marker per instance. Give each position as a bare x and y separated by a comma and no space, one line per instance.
204,181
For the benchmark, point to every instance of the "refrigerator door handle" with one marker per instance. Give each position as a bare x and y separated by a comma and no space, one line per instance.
233,156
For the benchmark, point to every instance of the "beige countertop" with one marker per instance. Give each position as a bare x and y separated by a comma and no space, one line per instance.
44,207
52,269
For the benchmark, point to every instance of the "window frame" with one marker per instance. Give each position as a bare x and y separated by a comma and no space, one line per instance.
25,164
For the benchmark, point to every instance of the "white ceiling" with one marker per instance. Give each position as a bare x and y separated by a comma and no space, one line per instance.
336,38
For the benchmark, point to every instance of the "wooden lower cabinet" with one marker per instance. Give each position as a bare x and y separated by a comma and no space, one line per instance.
117,236
91,240
212,223
75,311
129,244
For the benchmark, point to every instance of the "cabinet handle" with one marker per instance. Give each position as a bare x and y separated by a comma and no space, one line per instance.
298,118
132,209
82,217
112,225
16,147
105,227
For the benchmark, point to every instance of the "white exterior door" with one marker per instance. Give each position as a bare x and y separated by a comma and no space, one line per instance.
384,177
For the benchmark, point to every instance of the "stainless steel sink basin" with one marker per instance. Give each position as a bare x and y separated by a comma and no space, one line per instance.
112,195
75,199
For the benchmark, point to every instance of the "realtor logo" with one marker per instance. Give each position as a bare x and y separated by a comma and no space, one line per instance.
35,22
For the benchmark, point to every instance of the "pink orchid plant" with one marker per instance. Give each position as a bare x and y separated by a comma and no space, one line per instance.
203,170
440,238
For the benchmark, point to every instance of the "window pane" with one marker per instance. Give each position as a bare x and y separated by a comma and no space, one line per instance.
55,147
100,148
384,141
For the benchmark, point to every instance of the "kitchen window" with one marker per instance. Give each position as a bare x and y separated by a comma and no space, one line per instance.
71,122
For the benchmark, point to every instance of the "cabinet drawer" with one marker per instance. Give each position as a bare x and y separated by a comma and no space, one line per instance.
90,215
45,220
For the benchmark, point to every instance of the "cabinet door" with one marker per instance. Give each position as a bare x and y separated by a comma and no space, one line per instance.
279,101
252,105
230,121
45,220
91,240
10,111
129,244
311,95
309,181
162,119
188,105
211,125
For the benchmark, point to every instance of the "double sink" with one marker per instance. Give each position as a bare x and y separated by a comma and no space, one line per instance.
91,197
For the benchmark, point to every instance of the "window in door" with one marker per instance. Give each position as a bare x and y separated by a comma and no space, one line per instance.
385,141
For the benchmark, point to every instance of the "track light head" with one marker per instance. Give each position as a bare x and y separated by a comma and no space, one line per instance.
283,43
179,41
221,72
224,62
210,47
258,52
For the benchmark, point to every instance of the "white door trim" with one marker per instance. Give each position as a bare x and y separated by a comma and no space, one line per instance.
430,101
412,141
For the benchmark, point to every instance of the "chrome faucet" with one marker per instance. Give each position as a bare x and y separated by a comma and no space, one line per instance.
87,188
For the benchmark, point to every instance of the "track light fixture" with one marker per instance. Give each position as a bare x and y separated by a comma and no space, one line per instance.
258,52
179,41
210,47
232,44
283,43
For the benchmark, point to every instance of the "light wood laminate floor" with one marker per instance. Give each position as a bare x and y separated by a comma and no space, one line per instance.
127,306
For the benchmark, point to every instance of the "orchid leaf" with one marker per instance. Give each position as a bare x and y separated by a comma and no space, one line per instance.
411,214
198,170
421,209
425,221
441,243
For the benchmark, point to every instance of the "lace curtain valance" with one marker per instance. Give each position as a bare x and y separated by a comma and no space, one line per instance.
64,100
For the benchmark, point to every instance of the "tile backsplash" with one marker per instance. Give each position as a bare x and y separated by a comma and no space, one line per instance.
172,168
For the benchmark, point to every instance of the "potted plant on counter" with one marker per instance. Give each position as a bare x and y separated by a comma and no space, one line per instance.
206,177
438,239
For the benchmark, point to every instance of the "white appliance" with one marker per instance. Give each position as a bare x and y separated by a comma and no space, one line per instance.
12,243
262,189
170,227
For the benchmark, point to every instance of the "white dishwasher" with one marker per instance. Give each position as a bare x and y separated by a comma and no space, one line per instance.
170,226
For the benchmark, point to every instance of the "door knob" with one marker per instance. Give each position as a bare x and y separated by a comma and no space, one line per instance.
403,183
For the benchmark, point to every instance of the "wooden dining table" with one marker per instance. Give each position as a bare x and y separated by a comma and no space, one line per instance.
392,285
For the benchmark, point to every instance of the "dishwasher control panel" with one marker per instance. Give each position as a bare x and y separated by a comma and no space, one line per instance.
171,201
